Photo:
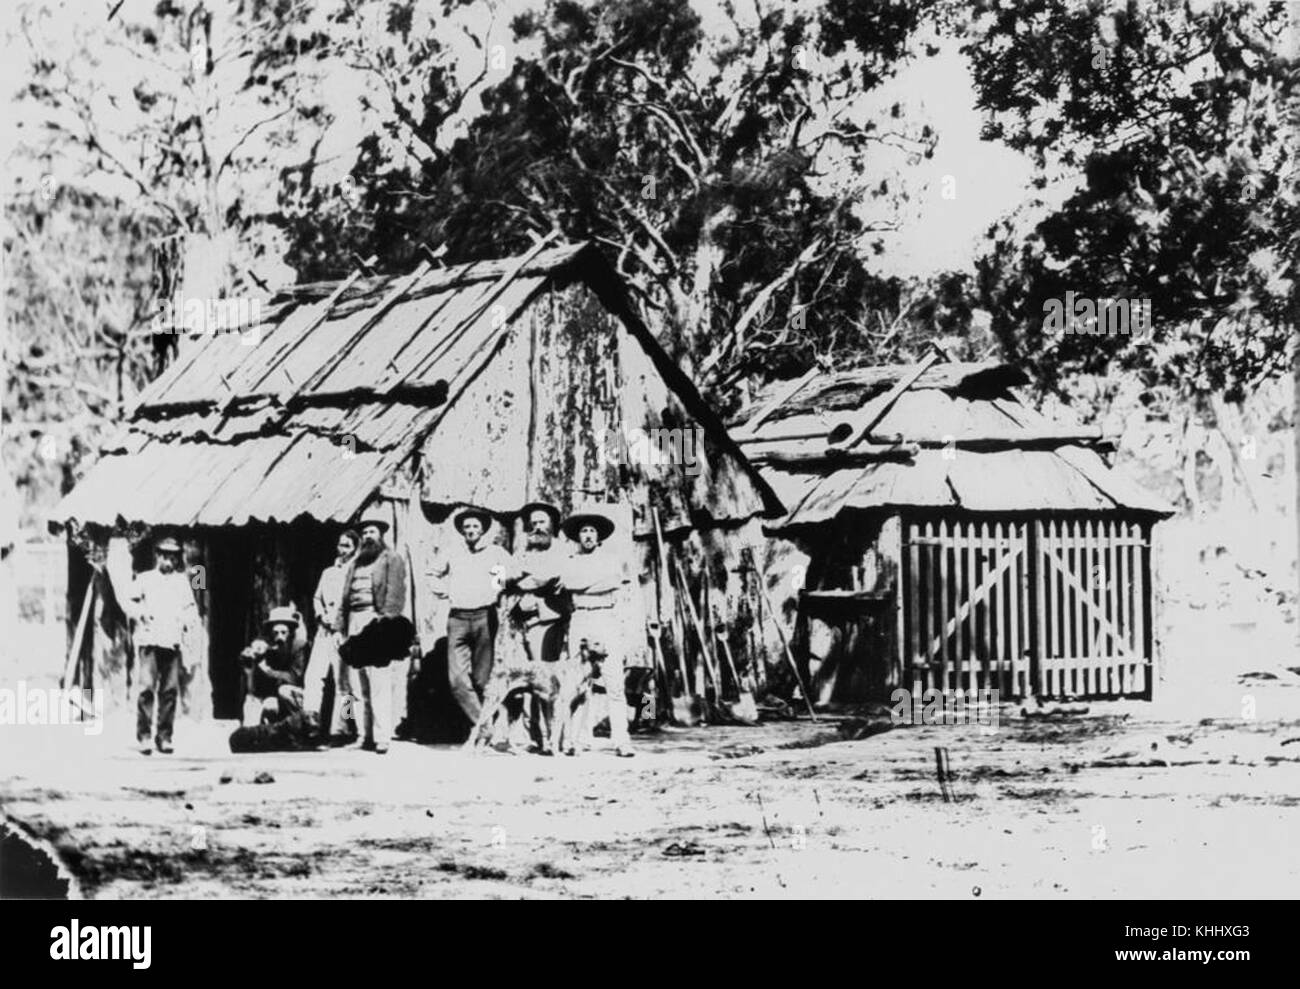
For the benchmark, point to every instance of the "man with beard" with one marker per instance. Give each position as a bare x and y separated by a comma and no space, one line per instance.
275,663
475,574
373,587
162,604
593,576
325,660
540,610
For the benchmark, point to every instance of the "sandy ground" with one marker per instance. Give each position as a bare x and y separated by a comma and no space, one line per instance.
1125,800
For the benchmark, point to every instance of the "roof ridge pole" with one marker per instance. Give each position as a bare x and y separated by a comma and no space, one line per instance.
452,338
861,430
391,299
777,401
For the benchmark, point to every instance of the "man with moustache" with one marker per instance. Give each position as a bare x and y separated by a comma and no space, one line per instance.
373,587
594,577
540,611
475,574
325,660
165,613
275,664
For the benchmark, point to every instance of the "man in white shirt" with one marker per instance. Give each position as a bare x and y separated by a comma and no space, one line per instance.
325,660
475,574
165,613
594,577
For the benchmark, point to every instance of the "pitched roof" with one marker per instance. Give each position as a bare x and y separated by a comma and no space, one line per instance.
310,413
957,438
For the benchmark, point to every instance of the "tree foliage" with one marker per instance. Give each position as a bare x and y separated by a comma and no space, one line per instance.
1180,121
722,170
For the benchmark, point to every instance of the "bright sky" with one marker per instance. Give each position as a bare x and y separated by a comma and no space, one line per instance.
985,180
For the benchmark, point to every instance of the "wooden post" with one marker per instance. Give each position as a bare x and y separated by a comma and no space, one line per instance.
1159,672
963,533
1016,582
942,770
890,547
944,533
71,667
1039,611
1112,601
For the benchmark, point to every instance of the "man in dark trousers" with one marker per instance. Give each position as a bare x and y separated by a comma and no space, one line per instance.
476,574
374,587
165,613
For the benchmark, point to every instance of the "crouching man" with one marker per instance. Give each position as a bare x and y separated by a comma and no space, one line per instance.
275,664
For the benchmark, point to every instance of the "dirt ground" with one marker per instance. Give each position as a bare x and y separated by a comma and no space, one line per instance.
1124,800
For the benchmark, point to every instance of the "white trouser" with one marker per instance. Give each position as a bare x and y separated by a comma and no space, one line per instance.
325,660
373,687
600,630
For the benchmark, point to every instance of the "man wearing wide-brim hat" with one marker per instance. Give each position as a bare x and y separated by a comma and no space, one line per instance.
276,664
594,576
474,574
166,615
373,588
539,607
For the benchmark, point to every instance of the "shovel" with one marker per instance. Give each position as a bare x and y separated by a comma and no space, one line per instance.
687,710
785,645
743,709
706,654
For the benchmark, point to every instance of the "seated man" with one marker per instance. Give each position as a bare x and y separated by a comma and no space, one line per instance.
274,665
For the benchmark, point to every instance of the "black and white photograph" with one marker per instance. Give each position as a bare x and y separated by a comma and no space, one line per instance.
652,450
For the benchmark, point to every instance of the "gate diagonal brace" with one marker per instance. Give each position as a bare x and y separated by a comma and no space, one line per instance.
1116,639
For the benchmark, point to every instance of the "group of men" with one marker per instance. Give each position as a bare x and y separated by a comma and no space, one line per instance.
559,600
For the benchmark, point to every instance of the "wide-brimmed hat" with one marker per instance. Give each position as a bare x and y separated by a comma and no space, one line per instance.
541,506
372,519
167,545
283,615
472,513
603,524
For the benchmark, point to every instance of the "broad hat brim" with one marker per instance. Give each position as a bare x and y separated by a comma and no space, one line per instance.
604,526
472,513
383,525
281,616
541,506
